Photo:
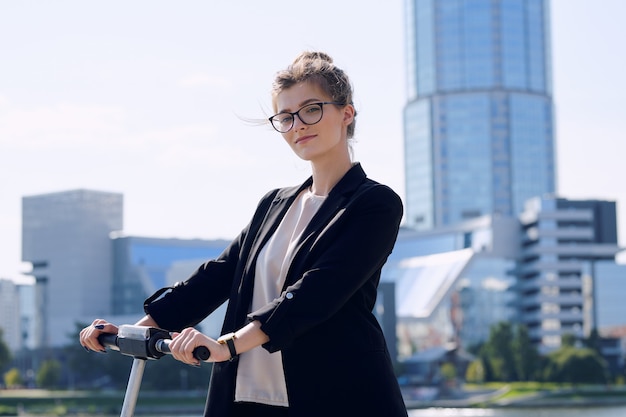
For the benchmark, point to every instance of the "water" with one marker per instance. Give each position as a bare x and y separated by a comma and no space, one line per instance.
617,411
607,411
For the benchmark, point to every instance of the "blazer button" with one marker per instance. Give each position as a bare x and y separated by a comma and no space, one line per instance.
289,296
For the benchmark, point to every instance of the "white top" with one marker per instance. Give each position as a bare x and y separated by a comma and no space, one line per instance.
260,375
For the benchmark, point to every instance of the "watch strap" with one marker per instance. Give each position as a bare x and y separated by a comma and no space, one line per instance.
229,341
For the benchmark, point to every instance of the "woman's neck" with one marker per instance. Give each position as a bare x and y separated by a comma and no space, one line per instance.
326,175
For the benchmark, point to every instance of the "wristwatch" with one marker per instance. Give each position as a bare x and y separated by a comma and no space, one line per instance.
229,340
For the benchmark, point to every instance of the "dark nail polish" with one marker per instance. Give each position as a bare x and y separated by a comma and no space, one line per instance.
99,326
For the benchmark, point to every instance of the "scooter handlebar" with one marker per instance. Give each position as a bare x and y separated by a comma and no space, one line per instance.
201,353
108,340
145,342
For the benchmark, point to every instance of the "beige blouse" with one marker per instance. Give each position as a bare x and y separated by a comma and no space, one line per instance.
260,376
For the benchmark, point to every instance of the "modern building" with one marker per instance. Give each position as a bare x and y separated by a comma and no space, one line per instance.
84,267
552,269
10,314
65,236
452,284
142,265
478,122
559,288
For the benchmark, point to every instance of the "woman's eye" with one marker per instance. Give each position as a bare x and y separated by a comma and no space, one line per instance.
285,119
313,109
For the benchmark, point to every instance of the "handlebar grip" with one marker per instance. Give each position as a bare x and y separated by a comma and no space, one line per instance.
108,340
201,353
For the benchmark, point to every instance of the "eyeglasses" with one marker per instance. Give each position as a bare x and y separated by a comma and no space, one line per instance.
309,115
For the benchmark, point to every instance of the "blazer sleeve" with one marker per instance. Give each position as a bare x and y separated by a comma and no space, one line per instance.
191,301
349,252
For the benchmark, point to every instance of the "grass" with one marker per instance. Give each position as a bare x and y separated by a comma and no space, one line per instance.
553,391
61,403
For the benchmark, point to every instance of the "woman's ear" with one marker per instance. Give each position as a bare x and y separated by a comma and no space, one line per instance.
348,114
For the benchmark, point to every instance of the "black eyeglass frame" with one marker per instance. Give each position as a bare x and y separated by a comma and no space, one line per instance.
297,113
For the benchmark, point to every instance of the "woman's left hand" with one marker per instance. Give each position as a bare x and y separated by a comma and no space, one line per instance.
184,343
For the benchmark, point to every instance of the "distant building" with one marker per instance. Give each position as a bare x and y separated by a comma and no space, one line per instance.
552,269
452,284
142,265
558,282
85,268
10,314
478,122
65,236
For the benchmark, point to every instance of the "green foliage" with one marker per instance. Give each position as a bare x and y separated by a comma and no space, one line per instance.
497,352
508,354
170,374
525,356
448,371
5,353
568,340
13,378
475,372
49,374
593,341
576,366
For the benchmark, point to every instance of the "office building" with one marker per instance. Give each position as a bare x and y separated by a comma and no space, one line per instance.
65,236
452,284
10,314
478,122
552,269
561,289
142,265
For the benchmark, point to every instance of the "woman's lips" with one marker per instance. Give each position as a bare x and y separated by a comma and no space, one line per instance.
304,139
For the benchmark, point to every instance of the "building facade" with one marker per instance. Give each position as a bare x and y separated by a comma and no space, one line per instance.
551,269
142,265
452,284
559,288
65,237
10,314
478,122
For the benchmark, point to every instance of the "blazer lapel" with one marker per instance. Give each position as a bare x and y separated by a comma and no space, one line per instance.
274,215
335,202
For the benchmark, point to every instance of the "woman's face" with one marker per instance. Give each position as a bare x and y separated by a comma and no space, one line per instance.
322,141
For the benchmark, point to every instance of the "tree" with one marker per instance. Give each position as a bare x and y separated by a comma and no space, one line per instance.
526,357
49,374
497,353
475,372
576,365
5,352
568,340
594,341
13,378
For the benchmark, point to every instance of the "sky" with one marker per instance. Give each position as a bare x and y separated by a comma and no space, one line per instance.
153,99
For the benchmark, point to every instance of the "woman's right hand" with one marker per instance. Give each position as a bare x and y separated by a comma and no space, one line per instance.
89,335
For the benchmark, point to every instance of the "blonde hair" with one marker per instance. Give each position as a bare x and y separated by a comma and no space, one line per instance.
317,68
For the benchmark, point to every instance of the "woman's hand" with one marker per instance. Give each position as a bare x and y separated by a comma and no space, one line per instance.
89,335
184,343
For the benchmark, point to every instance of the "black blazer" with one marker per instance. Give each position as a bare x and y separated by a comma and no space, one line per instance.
335,359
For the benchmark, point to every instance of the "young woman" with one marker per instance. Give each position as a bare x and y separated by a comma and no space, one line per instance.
299,337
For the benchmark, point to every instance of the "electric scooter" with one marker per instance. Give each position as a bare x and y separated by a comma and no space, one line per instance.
142,343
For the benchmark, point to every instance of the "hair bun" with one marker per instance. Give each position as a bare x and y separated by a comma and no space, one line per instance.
313,56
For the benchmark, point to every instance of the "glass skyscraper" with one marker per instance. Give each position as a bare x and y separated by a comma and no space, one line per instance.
478,123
